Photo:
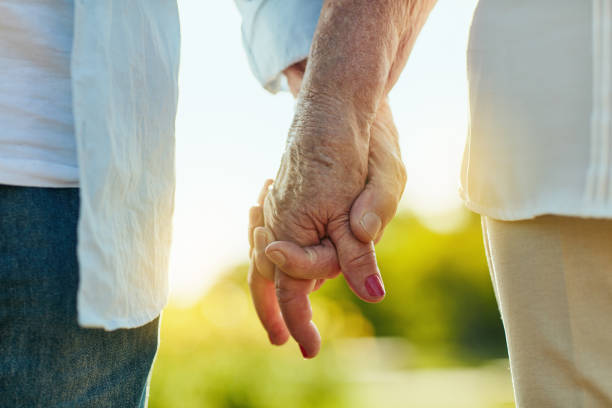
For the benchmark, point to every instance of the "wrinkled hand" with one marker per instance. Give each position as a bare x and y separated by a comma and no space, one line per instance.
323,170
385,182
377,204
357,53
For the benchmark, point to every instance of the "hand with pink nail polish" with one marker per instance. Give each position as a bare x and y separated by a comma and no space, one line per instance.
370,212
338,185
323,170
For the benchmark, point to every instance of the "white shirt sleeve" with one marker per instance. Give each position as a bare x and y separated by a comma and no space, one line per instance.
277,34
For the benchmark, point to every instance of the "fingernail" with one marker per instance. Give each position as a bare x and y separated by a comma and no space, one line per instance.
374,285
371,224
261,238
276,257
303,350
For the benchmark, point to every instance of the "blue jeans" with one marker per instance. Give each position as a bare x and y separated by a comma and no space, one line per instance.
46,359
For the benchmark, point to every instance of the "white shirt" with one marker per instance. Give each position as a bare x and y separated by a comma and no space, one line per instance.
113,135
123,75
124,67
276,34
540,84
37,144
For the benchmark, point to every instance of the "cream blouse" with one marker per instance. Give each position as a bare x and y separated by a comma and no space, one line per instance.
540,99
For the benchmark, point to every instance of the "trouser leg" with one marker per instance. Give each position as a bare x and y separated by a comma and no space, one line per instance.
46,359
553,278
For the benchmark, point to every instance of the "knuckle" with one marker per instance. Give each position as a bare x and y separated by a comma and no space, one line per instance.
337,227
284,295
391,209
363,260
387,205
311,255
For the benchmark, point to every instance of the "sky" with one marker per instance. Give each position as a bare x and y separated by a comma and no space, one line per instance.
230,134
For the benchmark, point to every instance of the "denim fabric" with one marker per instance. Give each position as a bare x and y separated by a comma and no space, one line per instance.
46,359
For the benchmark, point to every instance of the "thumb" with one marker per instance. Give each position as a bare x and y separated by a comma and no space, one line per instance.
372,211
357,262
377,203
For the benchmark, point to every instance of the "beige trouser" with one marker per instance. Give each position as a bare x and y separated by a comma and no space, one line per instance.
553,282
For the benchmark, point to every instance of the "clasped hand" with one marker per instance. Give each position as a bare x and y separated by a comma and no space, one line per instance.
339,183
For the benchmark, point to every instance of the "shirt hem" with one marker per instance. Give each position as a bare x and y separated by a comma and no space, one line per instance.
37,173
567,210
91,320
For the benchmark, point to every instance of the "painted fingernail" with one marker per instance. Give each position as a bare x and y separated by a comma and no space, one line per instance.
276,257
374,285
303,350
261,238
371,224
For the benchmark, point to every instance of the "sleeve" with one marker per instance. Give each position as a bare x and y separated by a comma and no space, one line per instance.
277,34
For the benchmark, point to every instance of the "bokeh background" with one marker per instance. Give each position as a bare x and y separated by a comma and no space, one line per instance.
437,338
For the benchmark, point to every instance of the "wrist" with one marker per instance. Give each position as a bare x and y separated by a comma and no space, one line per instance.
354,48
331,130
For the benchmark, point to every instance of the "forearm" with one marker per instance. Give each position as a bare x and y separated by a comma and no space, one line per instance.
359,50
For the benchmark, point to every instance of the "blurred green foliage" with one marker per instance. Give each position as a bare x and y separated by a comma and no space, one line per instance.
439,290
439,311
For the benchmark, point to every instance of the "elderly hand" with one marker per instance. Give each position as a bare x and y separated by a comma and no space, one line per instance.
385,183
323,170
261,275
357,53
377,203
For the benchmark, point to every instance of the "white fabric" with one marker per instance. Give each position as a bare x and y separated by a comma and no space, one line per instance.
124,81
277,34
540,98
37,145
122,68
123,75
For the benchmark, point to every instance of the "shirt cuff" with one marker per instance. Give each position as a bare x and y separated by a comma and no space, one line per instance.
276,34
